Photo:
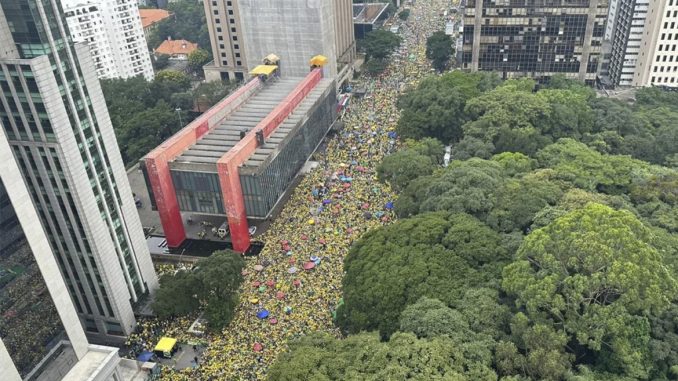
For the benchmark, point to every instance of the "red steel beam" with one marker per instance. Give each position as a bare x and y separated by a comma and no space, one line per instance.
227,166
157,161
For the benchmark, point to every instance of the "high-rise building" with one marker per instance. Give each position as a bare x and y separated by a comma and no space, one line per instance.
535,38
643,44
243,32
54,116
38,338
657,62
112,29
629,25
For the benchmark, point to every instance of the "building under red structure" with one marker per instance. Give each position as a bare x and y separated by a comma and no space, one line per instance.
217,165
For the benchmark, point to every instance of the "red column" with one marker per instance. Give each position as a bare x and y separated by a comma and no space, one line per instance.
231,191
166,200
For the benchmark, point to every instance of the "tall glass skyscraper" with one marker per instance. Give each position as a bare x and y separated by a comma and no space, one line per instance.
54,116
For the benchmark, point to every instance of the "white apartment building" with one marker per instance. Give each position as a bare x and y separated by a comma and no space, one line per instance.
630,22
644,43
113,31
658,60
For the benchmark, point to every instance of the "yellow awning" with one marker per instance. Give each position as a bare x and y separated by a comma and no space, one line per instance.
166,344
264,70
319,60
271,58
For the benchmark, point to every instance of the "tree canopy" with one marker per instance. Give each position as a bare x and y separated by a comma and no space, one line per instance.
212,283
546,250
439,49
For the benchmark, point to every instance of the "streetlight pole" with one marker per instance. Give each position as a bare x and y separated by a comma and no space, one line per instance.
178,111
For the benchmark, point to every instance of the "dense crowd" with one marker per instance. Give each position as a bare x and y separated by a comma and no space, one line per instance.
294,285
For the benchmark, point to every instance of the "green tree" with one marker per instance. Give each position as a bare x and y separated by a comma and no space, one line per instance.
404,14
596,276
197,59
439,49
394,266
214,281
178,294
464,186
364,357
380,44
160,61
418,159
207,94
436,108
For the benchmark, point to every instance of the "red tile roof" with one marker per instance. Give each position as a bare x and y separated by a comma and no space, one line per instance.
152,16
176,47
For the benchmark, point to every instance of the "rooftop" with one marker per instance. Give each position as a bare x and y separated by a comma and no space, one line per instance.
176,47
368,13
152,16
226,134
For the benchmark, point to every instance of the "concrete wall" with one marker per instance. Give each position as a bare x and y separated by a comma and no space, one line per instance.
295,30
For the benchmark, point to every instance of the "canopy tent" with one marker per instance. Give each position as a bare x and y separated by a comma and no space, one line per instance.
166,347
266,70
318,60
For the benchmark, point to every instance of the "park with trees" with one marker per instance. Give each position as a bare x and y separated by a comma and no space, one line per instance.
545,250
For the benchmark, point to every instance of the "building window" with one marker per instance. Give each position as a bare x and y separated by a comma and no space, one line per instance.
232,21
236,46
235,38
239,63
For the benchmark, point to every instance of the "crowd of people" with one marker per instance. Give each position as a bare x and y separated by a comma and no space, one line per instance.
294,285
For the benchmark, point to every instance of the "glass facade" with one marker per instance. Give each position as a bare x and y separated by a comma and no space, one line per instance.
536,38
30,327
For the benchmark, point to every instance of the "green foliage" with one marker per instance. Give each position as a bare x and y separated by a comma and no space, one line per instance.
214,281
363,357
464,186
439,49
160,61
417,159
436,108
595,273
187,23
380,44
394,266
197,59
404,14
144,114
177,295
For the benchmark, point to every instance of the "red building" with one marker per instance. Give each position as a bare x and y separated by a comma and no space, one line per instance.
239,158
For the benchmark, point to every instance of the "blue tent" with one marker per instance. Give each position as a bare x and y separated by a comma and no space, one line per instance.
389,205
263,314
145,356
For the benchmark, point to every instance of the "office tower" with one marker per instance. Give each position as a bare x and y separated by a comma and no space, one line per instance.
53,114
629,27
534,38
40,339
113,32
226,37
345,35
243,32
657,61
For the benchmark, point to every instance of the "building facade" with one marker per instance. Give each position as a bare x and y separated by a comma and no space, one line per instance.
113,31
243,32
38,340
657,62
535,38
54,116
629,25
228,45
